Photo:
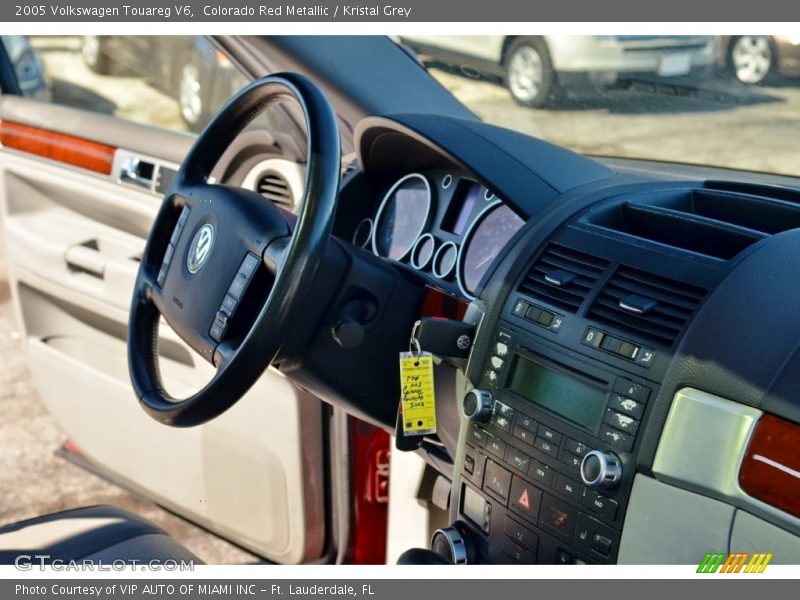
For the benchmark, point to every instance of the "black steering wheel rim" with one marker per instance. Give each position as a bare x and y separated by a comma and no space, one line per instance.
294,256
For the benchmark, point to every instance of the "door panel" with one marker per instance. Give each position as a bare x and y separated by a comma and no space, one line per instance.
73,238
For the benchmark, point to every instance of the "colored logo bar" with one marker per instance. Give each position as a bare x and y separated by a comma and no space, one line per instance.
736,562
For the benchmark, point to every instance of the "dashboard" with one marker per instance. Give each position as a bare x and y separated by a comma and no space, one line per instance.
442,223
637,342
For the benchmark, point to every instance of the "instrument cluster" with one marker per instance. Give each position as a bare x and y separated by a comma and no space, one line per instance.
441,223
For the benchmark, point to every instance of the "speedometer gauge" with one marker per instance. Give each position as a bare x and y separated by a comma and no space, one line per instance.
487,236
402,217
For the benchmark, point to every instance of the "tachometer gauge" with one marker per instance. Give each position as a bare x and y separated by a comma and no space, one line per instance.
487,236
402,217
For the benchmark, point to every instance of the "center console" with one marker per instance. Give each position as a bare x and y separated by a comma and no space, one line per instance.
548,458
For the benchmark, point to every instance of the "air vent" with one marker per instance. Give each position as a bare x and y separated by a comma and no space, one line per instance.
645,305
563,277
275,188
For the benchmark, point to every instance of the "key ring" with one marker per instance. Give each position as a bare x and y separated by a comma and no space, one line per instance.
413,343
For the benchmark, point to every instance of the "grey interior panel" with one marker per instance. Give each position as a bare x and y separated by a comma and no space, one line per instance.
751,534
668,525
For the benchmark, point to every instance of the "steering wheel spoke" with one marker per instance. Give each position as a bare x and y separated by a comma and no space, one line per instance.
223,266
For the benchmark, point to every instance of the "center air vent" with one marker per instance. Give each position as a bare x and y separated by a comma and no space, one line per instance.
645,305
563,277
275,188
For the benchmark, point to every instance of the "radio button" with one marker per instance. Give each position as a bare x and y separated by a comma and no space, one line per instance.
576,447
523,434
501,349
526,422
518,459
491,376
477,436
558,517
599,504
503,409
496,446
521,535
572,461
497,480
570,488
628,406
541,473
501,422
546,446
621,421
525,499
497,362
549,434
616,438
631,389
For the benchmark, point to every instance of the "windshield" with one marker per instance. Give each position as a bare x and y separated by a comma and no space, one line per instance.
727,101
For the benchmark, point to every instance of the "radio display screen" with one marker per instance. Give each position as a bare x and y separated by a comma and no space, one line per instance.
574,400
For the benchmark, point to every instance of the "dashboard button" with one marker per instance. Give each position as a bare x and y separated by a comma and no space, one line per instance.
628,406
572,461
645,357
532,314
503,409
558,321
520,534
496,362
586,534
568,487
599,504
592,337
628,350
501,349
525,435
497,480
526,422
575,447
525,499
541,473
518,459
469,465
621,421
601,544
501,422
496,446
517,552
477,436
549,434
611,344
520,308
631,389
558,517
545,318
616,438
546,446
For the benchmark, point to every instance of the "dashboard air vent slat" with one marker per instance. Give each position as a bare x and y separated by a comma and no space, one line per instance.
673,305
563,277
275,188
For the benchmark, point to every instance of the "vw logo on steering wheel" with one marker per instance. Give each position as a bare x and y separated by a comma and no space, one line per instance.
200,248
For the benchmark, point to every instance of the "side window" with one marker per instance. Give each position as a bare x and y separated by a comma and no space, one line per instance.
173,82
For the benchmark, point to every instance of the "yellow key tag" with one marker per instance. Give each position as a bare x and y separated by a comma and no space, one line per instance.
418,397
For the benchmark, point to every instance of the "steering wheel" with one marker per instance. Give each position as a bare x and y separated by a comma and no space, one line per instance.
223,266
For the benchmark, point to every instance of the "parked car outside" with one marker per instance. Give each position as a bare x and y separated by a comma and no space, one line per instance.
536,68
753,59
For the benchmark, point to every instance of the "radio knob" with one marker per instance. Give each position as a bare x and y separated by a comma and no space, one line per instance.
452,545
478,405
601,469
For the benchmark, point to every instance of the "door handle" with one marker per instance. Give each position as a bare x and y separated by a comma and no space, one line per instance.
137,171
81,259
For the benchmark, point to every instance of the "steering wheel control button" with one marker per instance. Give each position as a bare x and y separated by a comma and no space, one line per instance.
238,286
229,304
162,274
477,405
496,480
217,331
249,265
601,469
176,233
526,500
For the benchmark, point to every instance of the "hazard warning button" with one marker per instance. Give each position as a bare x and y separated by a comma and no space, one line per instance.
524,499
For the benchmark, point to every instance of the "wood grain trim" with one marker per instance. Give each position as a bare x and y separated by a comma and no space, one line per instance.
770,469
60,147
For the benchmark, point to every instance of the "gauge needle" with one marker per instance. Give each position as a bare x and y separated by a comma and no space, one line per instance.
485,260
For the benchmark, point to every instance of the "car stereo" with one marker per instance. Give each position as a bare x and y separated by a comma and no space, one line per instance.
548,460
